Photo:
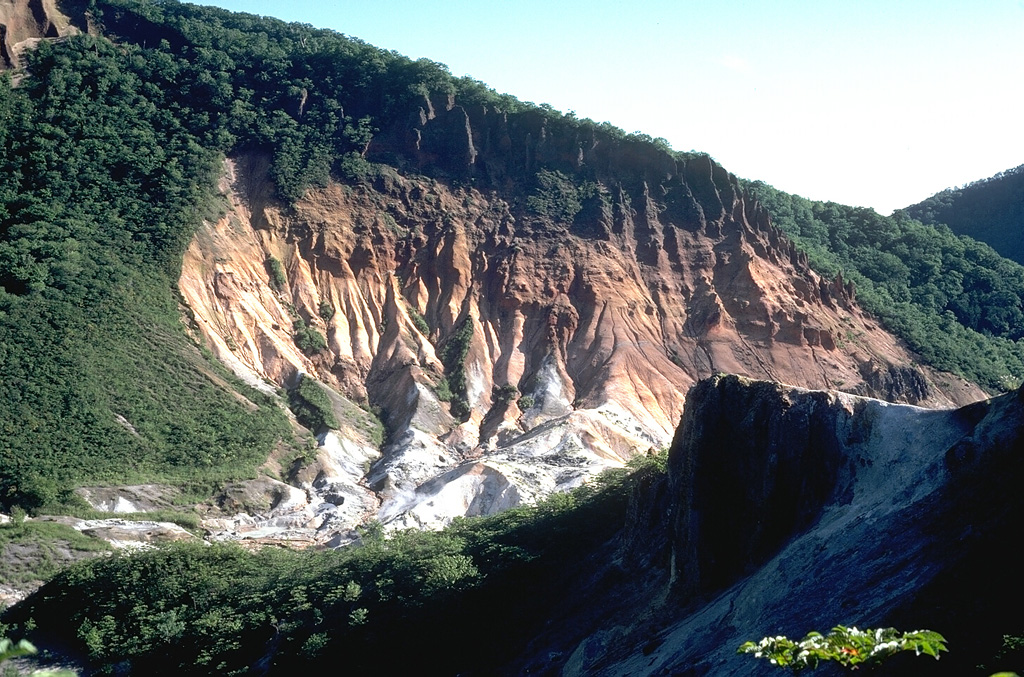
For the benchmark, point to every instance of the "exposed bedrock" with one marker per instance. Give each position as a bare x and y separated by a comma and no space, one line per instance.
787,510
576,335
23,23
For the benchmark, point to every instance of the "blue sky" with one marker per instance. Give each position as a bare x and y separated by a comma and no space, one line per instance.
863,102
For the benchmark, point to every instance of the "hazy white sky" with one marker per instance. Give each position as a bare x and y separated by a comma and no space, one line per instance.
876,103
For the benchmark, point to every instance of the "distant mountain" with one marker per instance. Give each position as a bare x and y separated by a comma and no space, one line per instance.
990,210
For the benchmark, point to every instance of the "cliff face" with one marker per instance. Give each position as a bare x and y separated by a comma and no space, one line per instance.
597,277
787,510
24,22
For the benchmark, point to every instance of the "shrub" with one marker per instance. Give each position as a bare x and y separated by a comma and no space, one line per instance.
556,196
308,340
278,280
419,322
453,356
460,408
354,167
311,405
504,394
443,391
849,647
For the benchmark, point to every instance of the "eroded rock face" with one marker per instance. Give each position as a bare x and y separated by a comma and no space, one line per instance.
754,449
666,275
24,22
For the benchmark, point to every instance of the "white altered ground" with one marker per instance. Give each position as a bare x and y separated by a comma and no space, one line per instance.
425,485
322,511
131,534
422,481
555,456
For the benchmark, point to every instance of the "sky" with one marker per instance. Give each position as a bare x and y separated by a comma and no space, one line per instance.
863,102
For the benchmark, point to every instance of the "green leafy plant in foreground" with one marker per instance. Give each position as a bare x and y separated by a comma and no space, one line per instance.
849,647
8,649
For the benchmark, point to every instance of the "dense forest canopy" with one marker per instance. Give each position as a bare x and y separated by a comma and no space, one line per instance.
990,210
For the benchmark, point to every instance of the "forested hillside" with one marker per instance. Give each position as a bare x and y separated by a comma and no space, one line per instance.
455,598
102,178
990,210
956,302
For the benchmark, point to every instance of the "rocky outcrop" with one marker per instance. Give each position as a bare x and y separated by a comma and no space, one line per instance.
790,510
133,534
24,22
129,499
892,382
752,449
593,328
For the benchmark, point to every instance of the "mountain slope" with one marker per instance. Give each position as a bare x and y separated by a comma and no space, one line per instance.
560,283
954,300
523,299
595,338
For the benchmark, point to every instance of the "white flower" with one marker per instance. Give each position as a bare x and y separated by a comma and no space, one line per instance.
885,646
